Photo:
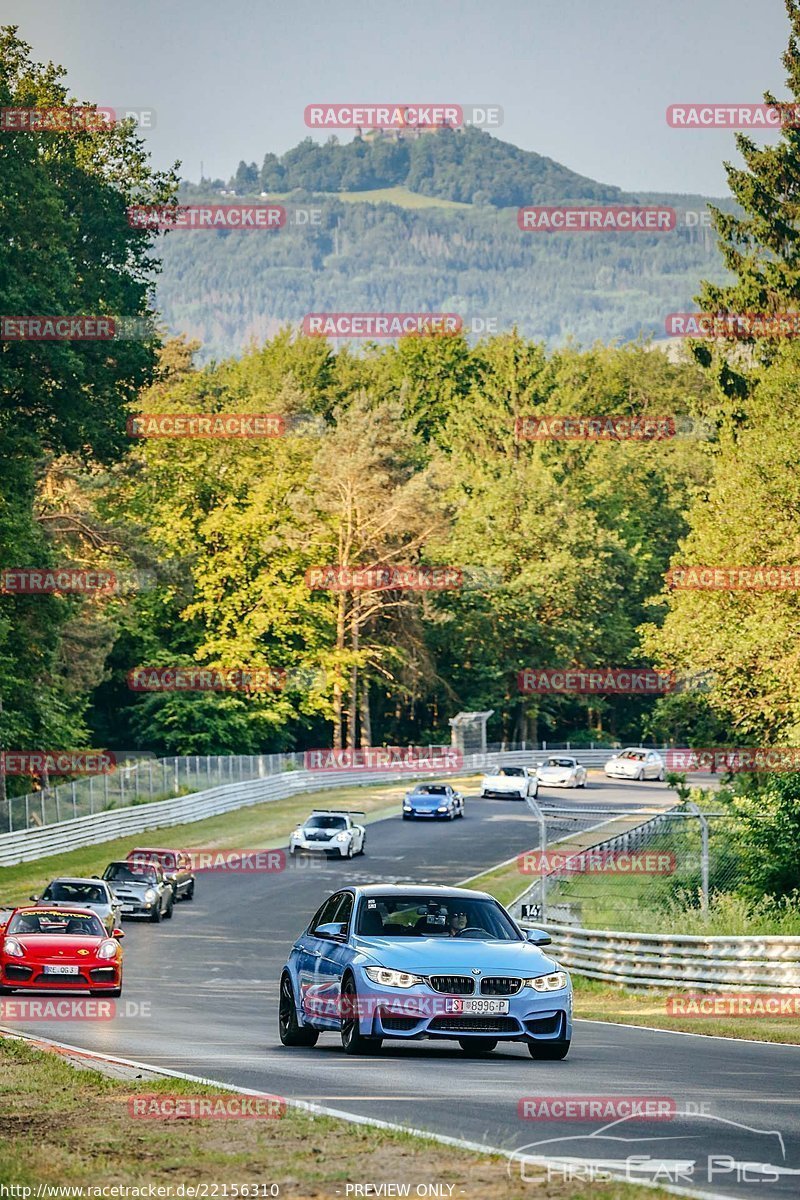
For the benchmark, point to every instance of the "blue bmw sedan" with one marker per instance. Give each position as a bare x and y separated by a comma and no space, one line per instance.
387,961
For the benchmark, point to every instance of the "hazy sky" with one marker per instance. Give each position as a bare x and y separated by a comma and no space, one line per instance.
586,82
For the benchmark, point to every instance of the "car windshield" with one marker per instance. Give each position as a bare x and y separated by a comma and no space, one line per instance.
78,893
326,823
637,755
130,873
56,921
404,916
560,762
511,771
431,789
145,858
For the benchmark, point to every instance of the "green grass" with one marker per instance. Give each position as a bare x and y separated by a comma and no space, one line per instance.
598,1001
69,1127
401,196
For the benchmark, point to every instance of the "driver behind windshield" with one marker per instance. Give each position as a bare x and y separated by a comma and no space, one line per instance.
458,921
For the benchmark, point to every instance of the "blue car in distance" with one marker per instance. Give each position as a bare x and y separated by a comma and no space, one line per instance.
432,801
400,961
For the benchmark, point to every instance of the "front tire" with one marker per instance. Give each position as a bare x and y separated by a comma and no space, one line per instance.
190,892
639,776
661,775
170,906
353,1041
155,915
549,1051
473,1047
292,1033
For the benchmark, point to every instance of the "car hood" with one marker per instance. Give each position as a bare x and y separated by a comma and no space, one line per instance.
39,946
555,772
427,801
455,956
98,906
129,887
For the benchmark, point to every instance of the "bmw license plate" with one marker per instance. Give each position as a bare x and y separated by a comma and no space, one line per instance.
476,1006
58,969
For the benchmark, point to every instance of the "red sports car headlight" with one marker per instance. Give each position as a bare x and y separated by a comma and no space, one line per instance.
107,949
11,946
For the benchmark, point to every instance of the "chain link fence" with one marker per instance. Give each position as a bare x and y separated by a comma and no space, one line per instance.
662,874
141,780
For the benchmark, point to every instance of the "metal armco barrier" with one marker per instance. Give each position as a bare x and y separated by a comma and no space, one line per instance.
668,960
26,845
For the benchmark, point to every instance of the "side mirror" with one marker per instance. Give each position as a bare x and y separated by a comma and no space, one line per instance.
538,937
117,933
333,931
34,897
95,877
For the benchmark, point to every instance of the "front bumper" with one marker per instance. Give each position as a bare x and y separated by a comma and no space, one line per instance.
621,773
23,976
426,813
420,1012
503,793
136,906
302,846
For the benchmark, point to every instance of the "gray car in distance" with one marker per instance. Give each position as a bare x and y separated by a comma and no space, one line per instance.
142,889
95,894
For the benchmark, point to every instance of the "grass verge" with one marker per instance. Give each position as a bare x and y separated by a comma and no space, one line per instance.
46,1138
598,1001
259,827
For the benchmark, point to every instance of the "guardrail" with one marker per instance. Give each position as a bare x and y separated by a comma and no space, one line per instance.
25,845
41,840
140,778
664,960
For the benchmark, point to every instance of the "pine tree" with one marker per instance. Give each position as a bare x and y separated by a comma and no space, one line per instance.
762,245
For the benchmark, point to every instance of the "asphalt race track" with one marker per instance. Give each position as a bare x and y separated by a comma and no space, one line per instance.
211,977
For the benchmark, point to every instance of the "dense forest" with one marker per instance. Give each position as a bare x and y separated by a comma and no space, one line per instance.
403,454
467,166
227,289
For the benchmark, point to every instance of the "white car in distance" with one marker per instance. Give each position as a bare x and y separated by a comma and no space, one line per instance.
635,763
329,831
559,770
510,783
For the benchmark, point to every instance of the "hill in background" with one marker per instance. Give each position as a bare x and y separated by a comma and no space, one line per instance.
428,224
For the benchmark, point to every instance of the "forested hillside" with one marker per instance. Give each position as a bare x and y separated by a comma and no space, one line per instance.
225,289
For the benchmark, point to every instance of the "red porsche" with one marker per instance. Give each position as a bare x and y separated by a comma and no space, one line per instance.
60,948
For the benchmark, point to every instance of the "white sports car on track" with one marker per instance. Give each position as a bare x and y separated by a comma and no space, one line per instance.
635,763
329,831
562,771
510,783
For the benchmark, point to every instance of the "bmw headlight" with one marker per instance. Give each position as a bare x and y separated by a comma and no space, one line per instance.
548,983
107,950
389,978
12,947
149,896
